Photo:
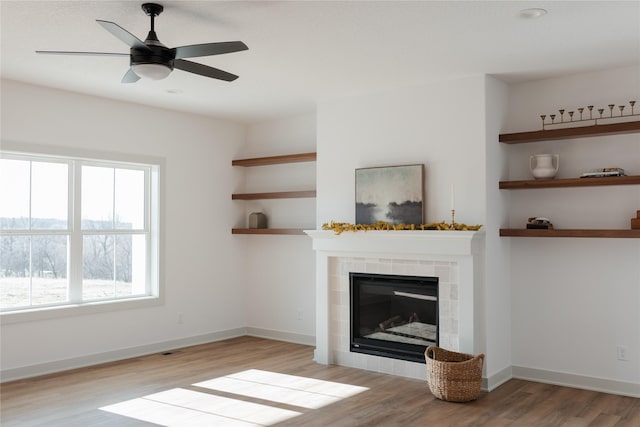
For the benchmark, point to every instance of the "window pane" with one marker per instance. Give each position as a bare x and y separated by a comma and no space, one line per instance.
49,269
98,267
130,265
129,199
114,266
49,195
97,198
14,194
42,282
14,271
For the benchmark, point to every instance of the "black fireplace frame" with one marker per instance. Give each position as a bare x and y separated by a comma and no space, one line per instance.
383,348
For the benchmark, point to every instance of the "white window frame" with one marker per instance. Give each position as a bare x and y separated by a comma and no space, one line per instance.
154,294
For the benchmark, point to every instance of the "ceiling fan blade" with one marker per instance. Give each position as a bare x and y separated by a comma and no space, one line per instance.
208,49
203,70
61,52
124,35
130,77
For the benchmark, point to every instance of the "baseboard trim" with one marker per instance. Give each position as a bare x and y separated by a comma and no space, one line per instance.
494,381
282,336
577,381
488,384
115,355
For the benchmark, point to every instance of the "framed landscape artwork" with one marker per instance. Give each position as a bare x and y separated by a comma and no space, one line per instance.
392,194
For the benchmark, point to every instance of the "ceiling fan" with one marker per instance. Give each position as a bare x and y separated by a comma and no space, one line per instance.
153,60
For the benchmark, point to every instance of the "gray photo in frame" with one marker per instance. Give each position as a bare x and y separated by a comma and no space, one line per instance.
393,194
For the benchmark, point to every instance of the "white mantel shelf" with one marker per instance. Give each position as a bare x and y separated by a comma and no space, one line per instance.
398,243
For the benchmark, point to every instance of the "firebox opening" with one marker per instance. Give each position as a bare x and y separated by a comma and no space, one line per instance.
393,316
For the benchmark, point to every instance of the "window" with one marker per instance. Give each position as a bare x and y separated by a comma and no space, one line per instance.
76,231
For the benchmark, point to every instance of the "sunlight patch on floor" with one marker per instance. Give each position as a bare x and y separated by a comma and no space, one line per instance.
293,390
181,407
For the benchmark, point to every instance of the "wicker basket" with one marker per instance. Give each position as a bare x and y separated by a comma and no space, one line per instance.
454,377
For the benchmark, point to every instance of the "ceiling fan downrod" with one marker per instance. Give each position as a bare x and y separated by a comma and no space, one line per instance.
152,10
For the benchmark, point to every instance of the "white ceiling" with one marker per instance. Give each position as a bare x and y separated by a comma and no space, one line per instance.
301,52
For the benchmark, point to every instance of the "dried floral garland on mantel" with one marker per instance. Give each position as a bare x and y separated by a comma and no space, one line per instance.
340,227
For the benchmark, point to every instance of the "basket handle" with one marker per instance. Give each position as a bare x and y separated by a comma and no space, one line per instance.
430,352
480,358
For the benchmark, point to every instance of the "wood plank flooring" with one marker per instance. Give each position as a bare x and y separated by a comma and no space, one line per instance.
73,398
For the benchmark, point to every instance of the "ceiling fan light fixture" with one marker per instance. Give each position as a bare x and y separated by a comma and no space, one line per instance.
151,71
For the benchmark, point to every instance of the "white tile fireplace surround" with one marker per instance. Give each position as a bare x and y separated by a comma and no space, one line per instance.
455,257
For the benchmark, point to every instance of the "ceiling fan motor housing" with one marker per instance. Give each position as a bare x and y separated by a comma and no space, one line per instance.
160,55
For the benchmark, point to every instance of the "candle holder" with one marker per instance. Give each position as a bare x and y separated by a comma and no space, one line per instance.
595,120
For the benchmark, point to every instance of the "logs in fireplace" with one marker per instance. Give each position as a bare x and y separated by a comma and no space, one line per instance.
393,316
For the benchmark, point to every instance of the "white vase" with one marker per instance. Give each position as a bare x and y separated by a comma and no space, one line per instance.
544,166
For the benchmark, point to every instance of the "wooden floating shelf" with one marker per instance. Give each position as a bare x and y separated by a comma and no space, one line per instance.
274,195
289,231
570,133
570,182
275,160
520,232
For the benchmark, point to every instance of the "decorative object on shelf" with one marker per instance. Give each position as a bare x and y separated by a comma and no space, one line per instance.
542,165
257,220
598,173
340,227
453,204
635,222
390,193
601,115
539,223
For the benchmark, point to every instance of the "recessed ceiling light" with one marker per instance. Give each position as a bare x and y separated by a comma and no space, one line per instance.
174,91
532,13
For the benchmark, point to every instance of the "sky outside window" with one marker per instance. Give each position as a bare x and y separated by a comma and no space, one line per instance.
107,192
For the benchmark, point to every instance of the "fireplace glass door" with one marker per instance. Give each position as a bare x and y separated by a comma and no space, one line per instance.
393,316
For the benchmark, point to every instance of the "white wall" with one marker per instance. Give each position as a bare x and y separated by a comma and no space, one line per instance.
203,272
280,284
497,300
575,300
440,126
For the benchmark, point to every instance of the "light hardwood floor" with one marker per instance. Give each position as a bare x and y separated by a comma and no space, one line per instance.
74,398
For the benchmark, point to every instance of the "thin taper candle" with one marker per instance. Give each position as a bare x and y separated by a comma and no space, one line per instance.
453,197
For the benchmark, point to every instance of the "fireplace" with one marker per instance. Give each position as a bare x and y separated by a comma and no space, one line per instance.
392,315
454,257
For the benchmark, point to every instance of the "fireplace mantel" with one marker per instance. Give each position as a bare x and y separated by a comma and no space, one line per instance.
461,251
398,243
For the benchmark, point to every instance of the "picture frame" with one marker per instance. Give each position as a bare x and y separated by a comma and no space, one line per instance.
393,194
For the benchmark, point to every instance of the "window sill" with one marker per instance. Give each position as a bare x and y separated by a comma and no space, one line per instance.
46,313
